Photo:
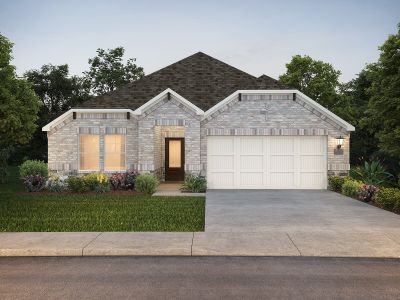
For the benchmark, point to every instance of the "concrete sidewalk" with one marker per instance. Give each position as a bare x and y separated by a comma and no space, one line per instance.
269,243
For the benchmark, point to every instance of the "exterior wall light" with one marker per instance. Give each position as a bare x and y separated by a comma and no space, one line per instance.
340,141
339,144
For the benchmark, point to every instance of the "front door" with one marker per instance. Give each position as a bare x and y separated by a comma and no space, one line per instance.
174,159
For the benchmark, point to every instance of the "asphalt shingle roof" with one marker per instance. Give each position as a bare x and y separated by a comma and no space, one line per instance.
200,78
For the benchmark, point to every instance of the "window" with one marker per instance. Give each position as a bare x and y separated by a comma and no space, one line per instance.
89,152
114,152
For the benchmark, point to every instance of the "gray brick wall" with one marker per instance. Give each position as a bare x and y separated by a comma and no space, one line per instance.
63,141
281,116
145,134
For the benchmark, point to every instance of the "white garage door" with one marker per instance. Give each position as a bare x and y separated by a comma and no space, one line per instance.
267,162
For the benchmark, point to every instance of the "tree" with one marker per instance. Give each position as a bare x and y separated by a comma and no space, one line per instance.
315,78
107,70
19,106
58,92
384,103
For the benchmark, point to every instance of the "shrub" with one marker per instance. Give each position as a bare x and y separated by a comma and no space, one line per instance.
371,173
102,184
33,167
34,183
146,183
90,180
351,188
56,183
368,192
77,184
195,184
123,181
388,198
335,183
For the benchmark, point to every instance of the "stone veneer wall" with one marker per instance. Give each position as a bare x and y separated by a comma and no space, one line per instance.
63,140
275,115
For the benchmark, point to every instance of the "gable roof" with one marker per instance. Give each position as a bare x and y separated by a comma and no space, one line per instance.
199,78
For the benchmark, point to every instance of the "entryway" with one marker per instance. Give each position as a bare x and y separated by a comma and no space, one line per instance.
174,159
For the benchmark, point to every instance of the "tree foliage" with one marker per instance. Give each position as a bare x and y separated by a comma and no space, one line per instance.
58,92
315,78
19,105
384,102
107,70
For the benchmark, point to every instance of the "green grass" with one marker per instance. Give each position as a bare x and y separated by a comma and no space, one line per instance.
60,212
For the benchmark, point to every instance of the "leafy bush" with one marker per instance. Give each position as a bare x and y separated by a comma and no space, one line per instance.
33,167
351,188
123,181
195,184
389,198
371,173
77,184
335,183
102,184
368,192
146,183
34,183
90,180
56,183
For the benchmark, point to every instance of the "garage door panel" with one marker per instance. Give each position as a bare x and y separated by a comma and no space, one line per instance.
221,145
312,180
280,162
251,179
311,162
282,180
221,180
251,162
251,145
281,145
312,145
222,162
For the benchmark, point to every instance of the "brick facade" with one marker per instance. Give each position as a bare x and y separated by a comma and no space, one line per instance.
261,114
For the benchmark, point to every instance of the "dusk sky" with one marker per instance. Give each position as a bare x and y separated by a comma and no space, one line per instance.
259,37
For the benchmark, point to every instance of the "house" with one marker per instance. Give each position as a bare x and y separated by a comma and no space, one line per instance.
200,115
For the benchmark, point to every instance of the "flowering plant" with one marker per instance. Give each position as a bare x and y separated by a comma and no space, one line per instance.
34,183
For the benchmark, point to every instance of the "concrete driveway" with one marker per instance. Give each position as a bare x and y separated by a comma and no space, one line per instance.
295,222
289,210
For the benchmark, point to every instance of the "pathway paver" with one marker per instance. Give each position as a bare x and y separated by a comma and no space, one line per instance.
345,244
44,243
243,244
140,243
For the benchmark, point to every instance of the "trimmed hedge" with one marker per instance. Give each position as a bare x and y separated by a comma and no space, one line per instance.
33,167
336,183
146,183
389,198
351,188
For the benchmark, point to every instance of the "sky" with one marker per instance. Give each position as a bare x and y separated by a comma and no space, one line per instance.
258,37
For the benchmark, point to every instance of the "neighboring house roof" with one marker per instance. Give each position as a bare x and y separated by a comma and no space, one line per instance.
199,78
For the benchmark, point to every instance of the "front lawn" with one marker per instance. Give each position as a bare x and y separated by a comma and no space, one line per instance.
76,212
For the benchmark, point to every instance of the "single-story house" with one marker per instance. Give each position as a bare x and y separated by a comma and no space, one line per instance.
202,116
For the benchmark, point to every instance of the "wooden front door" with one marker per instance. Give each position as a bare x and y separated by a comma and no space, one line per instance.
174,159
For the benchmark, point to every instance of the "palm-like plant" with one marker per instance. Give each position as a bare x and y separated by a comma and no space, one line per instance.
371,173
